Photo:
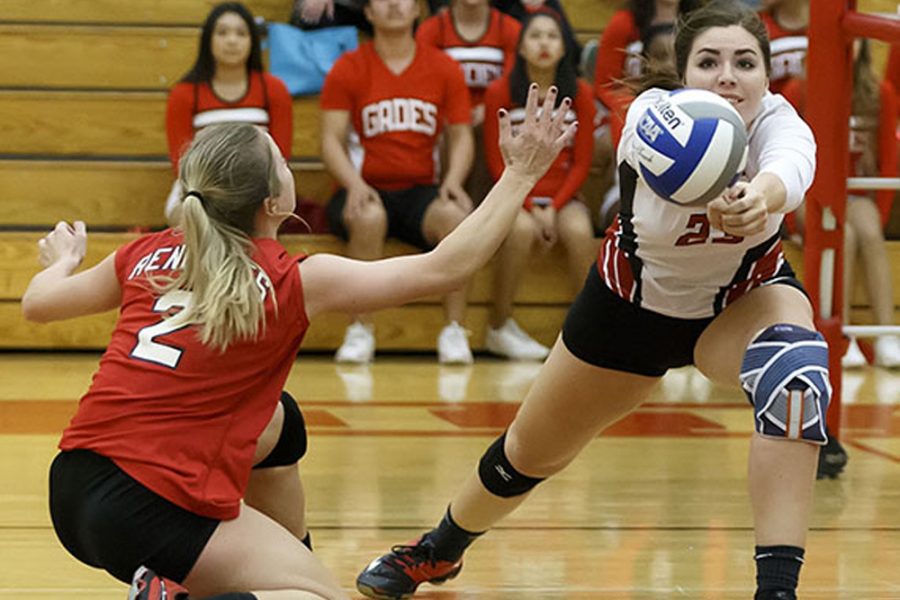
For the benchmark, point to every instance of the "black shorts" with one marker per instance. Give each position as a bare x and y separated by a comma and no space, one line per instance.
405,213
607,331
108,520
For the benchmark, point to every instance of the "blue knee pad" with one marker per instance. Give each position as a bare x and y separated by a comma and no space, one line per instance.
785,377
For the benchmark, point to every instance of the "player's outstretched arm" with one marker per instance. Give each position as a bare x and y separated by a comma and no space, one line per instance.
57,292
333,283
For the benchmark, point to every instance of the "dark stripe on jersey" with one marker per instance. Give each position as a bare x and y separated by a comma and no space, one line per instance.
765,256
627,241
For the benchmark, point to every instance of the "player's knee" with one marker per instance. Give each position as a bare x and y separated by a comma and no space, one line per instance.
785,377
292,443
498,475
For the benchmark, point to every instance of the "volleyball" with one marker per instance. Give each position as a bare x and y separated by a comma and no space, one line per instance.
691,145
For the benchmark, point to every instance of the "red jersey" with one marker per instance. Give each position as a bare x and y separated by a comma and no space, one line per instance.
618,58
193,106
482,60
568,172
397,118
788,52
860,127
179,417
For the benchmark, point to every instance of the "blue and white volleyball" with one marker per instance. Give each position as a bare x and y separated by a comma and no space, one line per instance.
691,145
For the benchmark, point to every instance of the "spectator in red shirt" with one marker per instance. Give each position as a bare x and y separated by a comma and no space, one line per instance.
384,109
873,153
552,212
227,83
620,58
786,22
483,41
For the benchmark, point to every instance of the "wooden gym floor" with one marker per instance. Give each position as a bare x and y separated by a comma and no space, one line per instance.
654,509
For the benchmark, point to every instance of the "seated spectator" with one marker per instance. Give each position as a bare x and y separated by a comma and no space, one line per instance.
227,83
873,153
318,14
786,22
384,107
658,60
483,41
552,211
621,58
519,9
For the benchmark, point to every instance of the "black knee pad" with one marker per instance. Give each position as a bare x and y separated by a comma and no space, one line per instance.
292,442
499,477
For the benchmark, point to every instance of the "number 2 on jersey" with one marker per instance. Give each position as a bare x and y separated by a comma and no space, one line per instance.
148,347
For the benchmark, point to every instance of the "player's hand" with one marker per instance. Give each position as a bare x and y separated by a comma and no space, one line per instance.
311,11
545,216
740,210
64,244
540,137
358,196
453,192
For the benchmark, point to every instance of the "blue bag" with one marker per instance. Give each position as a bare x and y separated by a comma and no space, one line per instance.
301,59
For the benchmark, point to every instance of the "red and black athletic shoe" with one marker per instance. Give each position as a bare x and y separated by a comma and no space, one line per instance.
397,574
147,585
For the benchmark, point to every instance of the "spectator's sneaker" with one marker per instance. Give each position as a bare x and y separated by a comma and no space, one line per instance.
147,585
887,352
358,346
853,358
396,575
511,342
832,458
453,345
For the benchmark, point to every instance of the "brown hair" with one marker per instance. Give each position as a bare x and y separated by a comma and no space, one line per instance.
717,13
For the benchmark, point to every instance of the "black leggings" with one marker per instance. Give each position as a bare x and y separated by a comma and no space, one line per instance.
108,520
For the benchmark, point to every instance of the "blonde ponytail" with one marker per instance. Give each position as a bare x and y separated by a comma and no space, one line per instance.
226,173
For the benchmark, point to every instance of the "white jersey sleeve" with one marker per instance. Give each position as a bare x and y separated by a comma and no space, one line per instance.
781,143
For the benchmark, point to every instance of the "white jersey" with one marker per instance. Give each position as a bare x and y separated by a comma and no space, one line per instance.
667,258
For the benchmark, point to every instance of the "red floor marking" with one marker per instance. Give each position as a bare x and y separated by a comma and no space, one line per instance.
663,423
26,417
872,419
322,418
496,415
866,448
673,422
35,417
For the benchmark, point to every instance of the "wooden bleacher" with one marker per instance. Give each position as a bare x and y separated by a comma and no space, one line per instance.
109,193
82,109
101,123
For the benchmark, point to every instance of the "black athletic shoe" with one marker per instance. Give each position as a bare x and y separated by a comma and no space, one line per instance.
780,595
832,458
397,574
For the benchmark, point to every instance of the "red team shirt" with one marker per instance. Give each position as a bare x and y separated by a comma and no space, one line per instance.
397,119
193,106
795,92
617,58
570,169
788,52
179,417
482,60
